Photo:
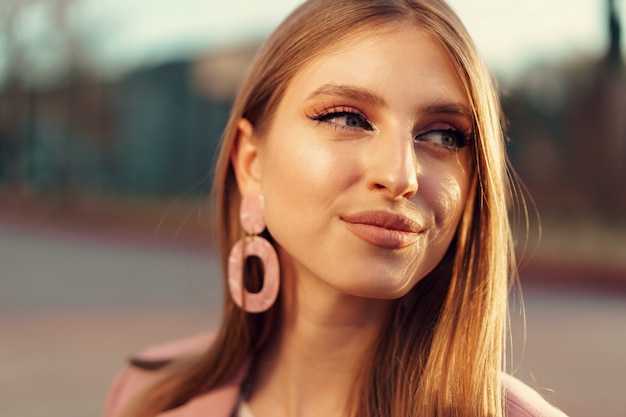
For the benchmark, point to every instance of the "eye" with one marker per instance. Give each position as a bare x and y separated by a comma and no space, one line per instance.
347,119
448,138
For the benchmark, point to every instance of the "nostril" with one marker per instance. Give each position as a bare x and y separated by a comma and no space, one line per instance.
411,193
395,189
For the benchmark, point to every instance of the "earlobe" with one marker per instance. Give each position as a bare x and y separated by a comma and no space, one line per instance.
245,158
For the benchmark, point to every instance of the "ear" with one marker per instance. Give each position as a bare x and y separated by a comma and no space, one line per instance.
245,159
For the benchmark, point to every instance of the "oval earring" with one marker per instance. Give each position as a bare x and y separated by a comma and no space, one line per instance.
251,216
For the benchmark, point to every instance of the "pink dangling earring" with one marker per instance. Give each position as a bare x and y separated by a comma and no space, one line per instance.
253,222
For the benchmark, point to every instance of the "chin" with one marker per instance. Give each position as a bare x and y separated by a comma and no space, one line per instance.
382,290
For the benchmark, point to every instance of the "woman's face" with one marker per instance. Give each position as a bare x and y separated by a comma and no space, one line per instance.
364,166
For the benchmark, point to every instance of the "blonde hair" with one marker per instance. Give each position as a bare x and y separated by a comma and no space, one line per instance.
443,349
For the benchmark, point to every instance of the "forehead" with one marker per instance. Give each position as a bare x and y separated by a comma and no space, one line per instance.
403,64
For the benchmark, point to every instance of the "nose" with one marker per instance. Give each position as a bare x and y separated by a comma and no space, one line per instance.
393,168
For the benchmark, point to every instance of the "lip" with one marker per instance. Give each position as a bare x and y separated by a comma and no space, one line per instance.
384,229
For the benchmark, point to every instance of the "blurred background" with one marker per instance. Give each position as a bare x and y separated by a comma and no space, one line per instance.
110,113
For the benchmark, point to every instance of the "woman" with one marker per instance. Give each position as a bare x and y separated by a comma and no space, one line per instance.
366,156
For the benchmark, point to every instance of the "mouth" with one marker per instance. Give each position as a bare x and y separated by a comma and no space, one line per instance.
384,229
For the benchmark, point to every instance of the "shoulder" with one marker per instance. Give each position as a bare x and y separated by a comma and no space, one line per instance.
523,401
179,348
133,379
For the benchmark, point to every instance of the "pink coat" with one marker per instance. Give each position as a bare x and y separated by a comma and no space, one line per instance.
521,400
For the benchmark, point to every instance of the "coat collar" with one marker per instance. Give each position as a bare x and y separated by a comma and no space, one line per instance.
219,402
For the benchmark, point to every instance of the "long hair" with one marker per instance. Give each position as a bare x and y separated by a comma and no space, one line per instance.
442,350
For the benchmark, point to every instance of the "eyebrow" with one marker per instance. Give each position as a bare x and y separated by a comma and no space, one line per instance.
451,108
438,107
348,92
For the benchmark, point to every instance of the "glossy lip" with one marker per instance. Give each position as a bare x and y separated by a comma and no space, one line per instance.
384,229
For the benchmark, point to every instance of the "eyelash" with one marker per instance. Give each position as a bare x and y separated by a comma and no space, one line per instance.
326,116
461,138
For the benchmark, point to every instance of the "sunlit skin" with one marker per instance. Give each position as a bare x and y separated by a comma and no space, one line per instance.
365,169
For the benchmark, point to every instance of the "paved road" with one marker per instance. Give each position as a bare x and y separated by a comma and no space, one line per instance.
72,307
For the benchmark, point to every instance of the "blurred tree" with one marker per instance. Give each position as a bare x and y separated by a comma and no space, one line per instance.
614,55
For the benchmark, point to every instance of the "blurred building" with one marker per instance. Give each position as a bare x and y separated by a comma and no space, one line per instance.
568,129
596,128
152,133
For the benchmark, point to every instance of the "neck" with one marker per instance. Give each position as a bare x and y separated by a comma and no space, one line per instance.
310,366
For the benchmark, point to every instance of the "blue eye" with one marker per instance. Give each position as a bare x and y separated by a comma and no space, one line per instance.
447,138
345,119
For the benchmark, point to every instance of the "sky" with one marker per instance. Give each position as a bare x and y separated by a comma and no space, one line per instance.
123,34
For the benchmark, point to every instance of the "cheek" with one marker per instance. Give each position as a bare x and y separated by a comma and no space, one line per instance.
303,175
448,191
451,198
